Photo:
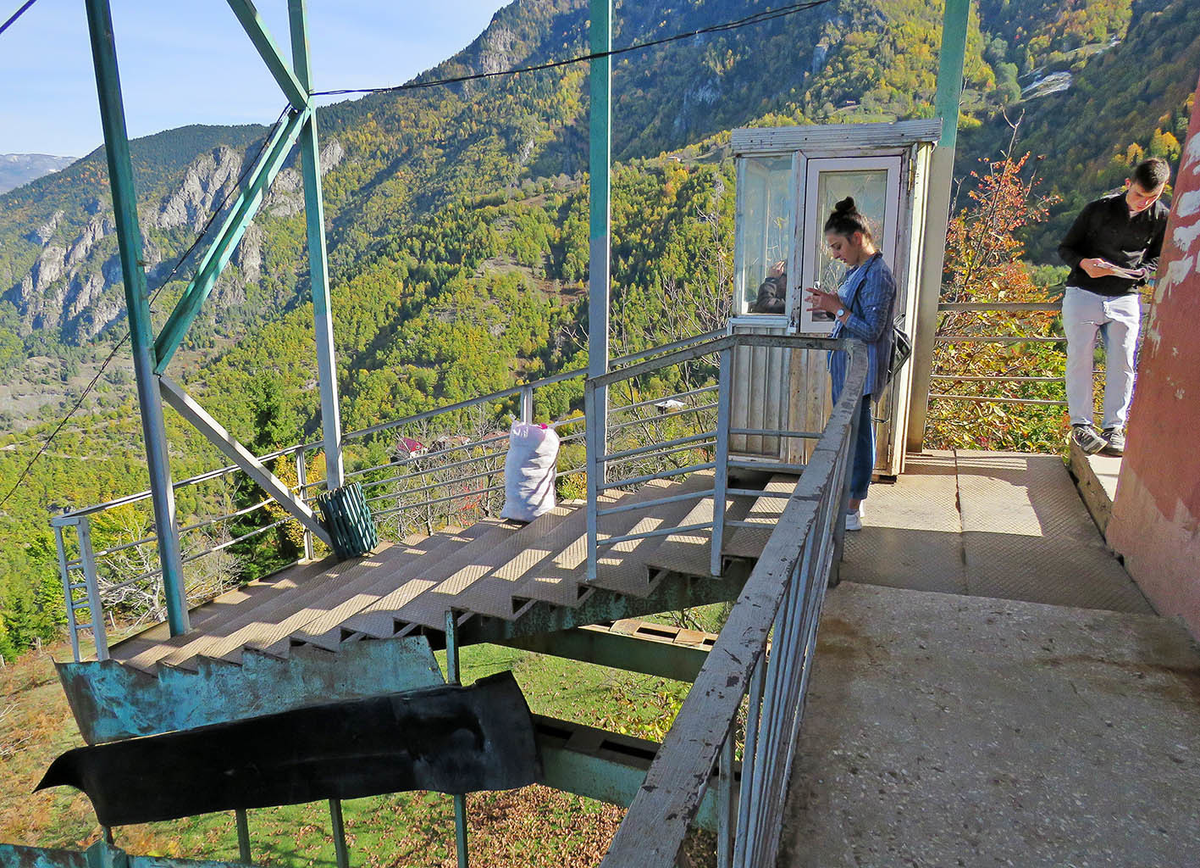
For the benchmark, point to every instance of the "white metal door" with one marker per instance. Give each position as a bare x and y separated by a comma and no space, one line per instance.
874,182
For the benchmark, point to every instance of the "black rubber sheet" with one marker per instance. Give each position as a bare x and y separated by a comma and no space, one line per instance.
449,739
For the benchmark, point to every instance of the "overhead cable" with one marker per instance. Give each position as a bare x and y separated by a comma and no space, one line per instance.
120,343
756,18
24,7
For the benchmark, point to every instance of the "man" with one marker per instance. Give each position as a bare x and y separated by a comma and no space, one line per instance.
1113,249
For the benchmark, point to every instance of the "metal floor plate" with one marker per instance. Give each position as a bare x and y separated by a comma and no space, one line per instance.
988,524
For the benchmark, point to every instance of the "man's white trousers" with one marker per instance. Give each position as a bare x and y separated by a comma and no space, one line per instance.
1118,320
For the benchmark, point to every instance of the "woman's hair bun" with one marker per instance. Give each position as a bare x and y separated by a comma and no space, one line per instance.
846,206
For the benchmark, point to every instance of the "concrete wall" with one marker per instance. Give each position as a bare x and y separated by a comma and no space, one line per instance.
1156,513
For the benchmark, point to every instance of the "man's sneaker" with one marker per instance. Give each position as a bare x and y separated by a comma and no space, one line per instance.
1087,439
1114,441
854,520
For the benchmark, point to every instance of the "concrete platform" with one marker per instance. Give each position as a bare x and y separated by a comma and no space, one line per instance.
946,730
988,524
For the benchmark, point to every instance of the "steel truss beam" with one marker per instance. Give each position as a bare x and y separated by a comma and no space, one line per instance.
256,29
635,646
245,207
606,766
187,407
137,303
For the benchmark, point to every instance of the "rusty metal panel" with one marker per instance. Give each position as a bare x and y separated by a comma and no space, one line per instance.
450,739
111,701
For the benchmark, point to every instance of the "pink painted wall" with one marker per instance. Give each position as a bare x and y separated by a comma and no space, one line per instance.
1156,513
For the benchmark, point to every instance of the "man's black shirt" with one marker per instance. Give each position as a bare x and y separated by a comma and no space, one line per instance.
1106,230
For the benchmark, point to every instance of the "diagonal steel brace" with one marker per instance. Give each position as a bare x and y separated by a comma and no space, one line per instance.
187,407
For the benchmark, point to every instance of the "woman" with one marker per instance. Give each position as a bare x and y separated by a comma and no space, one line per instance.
862,307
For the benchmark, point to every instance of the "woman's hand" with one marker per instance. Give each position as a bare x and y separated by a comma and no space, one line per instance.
826,301
776,270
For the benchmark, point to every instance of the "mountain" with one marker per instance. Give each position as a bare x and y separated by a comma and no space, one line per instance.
1130,97
18,169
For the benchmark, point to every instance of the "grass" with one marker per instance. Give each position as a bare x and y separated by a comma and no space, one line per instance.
532,826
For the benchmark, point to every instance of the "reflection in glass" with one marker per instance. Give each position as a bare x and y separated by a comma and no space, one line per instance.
766,234
869,189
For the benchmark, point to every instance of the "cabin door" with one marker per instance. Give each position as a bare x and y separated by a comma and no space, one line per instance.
785,194
875,184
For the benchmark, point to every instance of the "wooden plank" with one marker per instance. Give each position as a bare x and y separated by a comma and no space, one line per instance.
286,581
689,554
261,627
540,562
379,620
325,631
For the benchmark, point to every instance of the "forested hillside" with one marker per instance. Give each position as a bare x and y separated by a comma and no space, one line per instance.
458,219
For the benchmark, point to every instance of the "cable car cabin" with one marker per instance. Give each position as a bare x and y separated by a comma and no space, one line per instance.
788,180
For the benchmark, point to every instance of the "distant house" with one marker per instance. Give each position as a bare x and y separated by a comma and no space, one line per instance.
407,448
669,406
450,441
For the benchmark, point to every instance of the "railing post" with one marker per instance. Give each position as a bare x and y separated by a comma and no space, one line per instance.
454,676
748,793
726,806
243,834
87,556
65,573
721,472
593,475
527,404
302,485
843,503
339,833
599,252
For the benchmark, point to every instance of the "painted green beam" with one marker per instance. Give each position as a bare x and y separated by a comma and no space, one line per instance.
217,256
634,647
318,261
99,855
599,243
950,68
137,303
256,29
605,766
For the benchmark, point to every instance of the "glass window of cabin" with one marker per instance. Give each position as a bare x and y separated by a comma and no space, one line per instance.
765,191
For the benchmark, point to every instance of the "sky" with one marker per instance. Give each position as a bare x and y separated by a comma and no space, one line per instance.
189,62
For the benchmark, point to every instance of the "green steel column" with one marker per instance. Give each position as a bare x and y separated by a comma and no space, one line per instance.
318,262
950,68
599,247
937,214
129,242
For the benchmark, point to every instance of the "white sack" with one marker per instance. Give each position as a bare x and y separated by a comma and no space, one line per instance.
529,471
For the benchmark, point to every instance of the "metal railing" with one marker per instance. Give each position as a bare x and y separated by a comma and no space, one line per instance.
408,490
992,308
748,698
758,667
1036,378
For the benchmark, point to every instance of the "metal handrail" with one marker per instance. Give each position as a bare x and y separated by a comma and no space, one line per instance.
781,602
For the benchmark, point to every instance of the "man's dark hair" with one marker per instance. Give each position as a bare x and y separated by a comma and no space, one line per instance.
1152,173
